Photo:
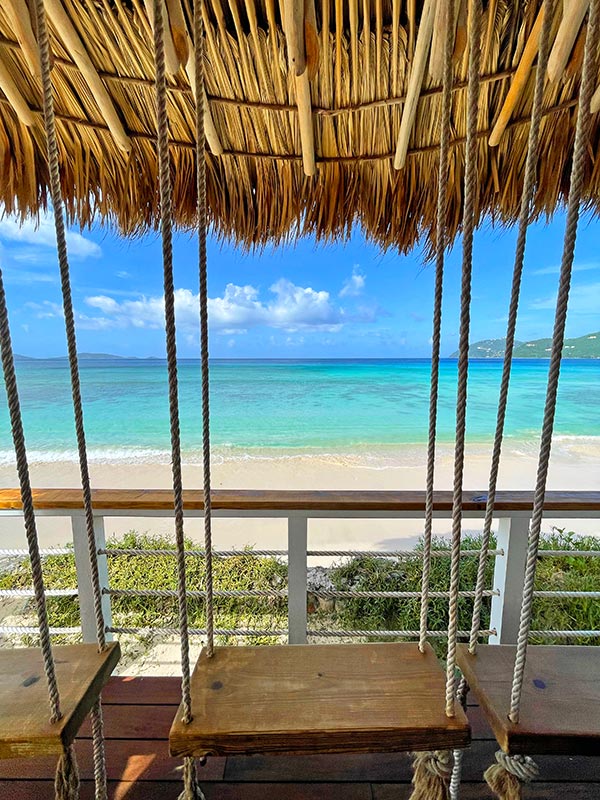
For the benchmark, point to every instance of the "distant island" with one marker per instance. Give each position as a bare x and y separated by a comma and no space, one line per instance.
587,346
89,357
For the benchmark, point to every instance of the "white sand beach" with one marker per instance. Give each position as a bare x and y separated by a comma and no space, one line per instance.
574,467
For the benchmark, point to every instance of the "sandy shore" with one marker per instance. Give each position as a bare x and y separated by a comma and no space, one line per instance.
575,465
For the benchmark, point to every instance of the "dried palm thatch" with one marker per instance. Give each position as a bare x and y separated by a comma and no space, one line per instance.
327,99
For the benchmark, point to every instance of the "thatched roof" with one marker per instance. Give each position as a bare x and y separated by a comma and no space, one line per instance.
352,98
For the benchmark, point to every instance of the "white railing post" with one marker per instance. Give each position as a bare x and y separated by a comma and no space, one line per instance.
509,573
84,580
297,575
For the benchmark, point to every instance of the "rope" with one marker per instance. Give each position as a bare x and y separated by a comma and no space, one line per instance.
171,344
432,773
16,421
506,777
580,156
524,217
202,269
63,261
437,315
463,358
99,754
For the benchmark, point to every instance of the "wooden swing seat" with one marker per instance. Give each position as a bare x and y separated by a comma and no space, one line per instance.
25,727
339,698
560,709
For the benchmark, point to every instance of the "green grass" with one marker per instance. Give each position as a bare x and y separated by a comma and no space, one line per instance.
245,571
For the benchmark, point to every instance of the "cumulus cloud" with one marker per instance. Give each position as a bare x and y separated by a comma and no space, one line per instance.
290,308
355,284
583,300
36,240
554,269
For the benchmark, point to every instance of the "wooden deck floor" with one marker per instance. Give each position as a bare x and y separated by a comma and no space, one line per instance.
138,713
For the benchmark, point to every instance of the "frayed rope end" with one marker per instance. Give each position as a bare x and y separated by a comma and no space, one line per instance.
507,776
432,773
191,789
66,782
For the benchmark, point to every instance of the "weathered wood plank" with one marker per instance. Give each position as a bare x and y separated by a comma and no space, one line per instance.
44,790
257,500
318,699
560,709
153,691
480,791
126,760
25,728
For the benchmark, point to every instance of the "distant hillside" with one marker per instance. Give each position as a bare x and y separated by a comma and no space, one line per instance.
587,346
87,357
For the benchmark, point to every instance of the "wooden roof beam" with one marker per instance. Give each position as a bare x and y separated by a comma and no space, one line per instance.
573,15
294,17
436,57
415,82
210,130
595,105
172,62
20,20
519,80
67,32
14,96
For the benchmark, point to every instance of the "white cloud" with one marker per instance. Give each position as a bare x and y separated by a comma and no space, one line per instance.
554,269
123,274
292,308
355,283
40,238
583,299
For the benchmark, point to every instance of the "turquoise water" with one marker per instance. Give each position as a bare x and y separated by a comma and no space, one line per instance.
322,406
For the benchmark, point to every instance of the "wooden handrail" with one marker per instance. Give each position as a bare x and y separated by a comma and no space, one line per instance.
301,500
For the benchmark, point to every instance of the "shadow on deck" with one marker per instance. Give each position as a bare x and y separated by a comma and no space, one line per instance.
138,713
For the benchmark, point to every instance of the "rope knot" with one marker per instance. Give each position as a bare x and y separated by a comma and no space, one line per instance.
66,782
432,773
437,762
522,767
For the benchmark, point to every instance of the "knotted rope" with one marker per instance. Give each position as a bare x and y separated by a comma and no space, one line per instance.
63,261
506,777
440,250
191,790
580,157
18,436
529,183
463,348
202,269
432,771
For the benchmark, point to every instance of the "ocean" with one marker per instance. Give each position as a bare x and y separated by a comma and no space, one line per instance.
281,406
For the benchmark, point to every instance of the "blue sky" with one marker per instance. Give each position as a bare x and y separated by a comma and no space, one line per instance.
326,301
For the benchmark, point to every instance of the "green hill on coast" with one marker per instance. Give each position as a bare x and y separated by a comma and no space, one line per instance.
587,346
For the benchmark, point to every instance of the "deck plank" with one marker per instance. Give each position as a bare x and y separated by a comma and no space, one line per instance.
140,769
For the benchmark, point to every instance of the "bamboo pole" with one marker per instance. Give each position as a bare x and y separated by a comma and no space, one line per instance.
311,39
66,30
415,82
519,80
210,130
172,62
574,12
307,135
436,57
293,11
460,40
178,29
20,20
14,97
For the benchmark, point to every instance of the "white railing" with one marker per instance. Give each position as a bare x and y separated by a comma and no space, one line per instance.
297,509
